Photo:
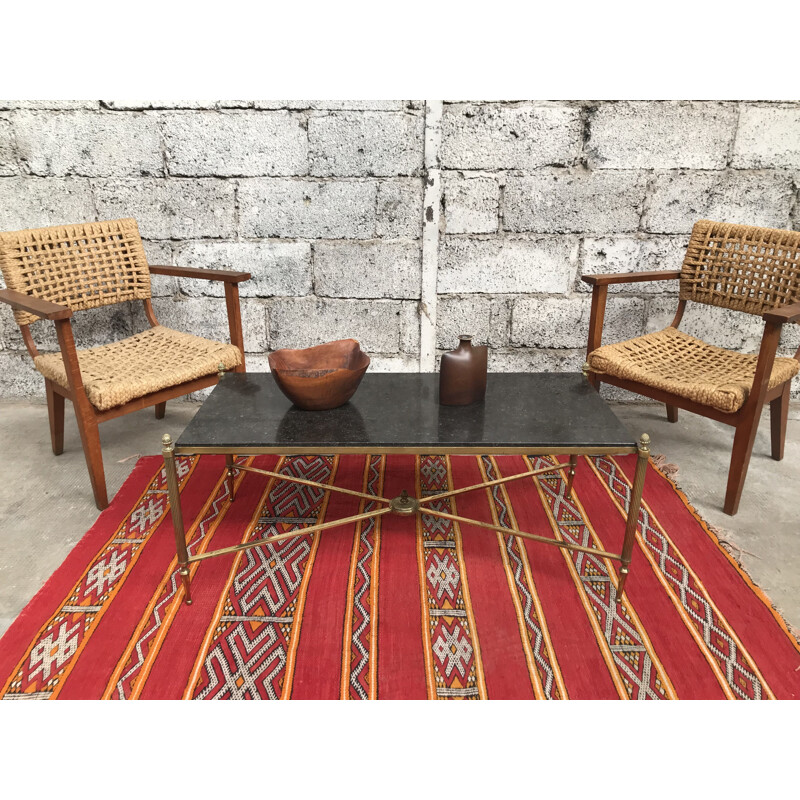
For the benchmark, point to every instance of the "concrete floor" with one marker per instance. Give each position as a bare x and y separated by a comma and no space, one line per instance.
46,502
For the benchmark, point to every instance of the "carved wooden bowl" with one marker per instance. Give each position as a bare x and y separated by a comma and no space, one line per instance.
321,377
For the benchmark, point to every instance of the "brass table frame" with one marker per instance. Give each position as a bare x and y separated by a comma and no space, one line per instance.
403,505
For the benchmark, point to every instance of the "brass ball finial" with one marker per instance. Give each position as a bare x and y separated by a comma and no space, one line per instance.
166,440
221,369
644,442
585,368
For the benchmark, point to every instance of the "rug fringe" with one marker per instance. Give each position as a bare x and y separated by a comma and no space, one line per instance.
722,536
667,468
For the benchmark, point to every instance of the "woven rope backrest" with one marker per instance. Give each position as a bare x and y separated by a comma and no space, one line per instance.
80,266
741,267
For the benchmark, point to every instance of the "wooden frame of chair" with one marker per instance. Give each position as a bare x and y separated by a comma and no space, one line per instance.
746,419
88,417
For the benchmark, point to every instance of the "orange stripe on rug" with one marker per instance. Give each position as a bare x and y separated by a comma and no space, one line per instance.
79,614
652,539
360,640
546,679
155,622
618,629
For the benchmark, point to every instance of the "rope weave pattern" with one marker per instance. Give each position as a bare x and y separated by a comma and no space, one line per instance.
159,358
741,267
676,362
79,266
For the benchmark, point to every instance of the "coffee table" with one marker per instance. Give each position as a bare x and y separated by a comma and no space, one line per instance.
523,413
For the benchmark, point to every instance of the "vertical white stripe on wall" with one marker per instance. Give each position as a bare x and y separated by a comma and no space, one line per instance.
430,235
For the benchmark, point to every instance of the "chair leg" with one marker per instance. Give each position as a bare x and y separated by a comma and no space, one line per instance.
672,413
55,411
778,416
740,460
161,409
90,438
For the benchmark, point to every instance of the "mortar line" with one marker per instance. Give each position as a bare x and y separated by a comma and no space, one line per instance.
431,210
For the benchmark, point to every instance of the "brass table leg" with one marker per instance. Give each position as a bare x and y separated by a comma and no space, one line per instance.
573,461
231,475
633,512
167,451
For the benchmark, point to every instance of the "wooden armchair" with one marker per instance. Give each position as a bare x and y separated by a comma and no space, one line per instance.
742,268
52,272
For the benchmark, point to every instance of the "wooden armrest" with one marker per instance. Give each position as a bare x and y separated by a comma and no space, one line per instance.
34,305
781,314
630,277
229,276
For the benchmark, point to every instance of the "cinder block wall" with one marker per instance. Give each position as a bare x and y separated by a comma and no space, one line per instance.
323,202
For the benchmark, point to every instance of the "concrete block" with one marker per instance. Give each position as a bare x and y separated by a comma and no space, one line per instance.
486,319
38,203
614,254
767,137
557,322
278,268
53,105
160,253
563,201
170,209
335,105
660,135
470,204
146,105
91,328
8,158
399,363
88,143
305,322
410,327
526,359
507,266
97,326
678,200
19,378
720,327
307,209
207,317
367,269
492,136
257,362
365,143
238,143
399,211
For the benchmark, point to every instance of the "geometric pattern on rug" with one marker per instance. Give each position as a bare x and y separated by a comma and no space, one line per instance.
402,607
451,642
738,669
143,648
54,649
359,665
252,636
545,676
620,634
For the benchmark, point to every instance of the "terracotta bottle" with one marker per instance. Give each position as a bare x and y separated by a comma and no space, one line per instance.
462,375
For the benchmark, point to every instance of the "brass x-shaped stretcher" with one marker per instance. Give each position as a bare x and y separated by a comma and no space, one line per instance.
403,505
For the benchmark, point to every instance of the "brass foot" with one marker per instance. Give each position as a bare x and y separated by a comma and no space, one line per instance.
623,575
185,580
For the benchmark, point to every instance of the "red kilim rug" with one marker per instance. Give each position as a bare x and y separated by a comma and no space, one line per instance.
398,607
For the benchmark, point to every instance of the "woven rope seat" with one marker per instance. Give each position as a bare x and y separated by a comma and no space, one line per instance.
155,359
676,362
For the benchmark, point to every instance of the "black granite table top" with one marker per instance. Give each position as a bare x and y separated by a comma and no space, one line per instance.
548,412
